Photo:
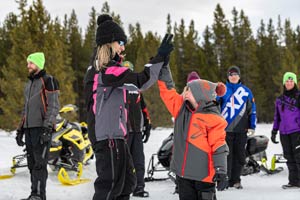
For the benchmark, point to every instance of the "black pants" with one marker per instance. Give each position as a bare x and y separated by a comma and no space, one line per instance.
37,159
237,155
91,126
291,151
136,146
116,175
195,190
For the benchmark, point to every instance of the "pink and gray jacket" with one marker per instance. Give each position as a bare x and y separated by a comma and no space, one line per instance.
109,100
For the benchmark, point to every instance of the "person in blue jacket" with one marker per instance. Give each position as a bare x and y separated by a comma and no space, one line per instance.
239,109
286,121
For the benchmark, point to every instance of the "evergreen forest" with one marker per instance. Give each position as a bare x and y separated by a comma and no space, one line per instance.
263,55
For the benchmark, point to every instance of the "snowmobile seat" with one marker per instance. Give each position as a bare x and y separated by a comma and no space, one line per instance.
256,144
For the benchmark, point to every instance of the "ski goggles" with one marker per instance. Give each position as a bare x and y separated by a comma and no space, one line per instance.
233,74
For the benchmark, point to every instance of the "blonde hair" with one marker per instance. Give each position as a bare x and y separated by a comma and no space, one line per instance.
104,54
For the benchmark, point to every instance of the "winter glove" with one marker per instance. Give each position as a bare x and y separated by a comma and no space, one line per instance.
222,181
166,47
19,137
46,135
146,133
166,76
250,132
273,137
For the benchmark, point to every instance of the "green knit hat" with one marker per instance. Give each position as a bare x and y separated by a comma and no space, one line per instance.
289,75
38,59
128,65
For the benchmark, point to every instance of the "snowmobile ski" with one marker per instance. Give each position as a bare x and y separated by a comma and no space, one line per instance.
17,162
64,178
271,170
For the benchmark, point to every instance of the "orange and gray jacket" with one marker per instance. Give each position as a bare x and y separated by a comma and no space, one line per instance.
199,137
41,101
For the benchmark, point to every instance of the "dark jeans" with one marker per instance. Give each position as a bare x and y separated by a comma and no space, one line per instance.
37,159
292,154
116,175
237,155
136,146
195,190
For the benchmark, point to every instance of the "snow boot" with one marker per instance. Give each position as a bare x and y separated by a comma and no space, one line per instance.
290,186
140,192
238,185
33,198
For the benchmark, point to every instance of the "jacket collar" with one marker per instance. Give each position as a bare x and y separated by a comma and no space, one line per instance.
38,75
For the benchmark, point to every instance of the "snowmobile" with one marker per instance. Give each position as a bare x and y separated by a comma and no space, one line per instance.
163,156
255,152
70,150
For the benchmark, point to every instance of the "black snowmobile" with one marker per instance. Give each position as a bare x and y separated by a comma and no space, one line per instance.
70,149
255,152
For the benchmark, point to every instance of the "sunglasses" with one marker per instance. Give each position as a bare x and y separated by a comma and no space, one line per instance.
233,74
121,43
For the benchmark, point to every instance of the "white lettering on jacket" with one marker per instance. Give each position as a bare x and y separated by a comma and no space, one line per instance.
238,95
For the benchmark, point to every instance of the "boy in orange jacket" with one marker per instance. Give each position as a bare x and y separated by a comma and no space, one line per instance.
200,151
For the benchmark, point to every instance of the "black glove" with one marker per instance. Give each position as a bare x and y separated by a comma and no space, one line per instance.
222,181
146,132
273,137
46,135
166,47
19,137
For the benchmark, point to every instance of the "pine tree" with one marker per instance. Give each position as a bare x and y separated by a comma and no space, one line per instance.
244,49
222,42
78,62
210,58
136,42
268,55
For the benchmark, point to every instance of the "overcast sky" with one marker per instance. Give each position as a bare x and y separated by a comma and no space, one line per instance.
152,14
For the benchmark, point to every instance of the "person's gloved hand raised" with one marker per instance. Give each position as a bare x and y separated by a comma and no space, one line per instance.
273,137
146,132
166,46
19,137
46,135
222,181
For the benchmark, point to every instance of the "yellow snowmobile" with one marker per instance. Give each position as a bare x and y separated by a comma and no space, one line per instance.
70,149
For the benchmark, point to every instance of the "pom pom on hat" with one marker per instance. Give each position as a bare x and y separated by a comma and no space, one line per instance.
103,18
192,76
221,89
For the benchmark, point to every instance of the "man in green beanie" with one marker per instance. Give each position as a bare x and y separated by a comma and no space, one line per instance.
38,122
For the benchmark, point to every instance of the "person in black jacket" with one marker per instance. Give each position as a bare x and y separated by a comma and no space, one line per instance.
139,127
38,120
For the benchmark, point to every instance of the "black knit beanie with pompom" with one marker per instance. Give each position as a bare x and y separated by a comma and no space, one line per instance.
108,31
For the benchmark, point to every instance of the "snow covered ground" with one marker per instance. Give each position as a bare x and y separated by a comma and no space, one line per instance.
258,186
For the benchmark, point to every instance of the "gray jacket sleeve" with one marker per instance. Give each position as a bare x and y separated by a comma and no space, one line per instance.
154,73
220,159
52,93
